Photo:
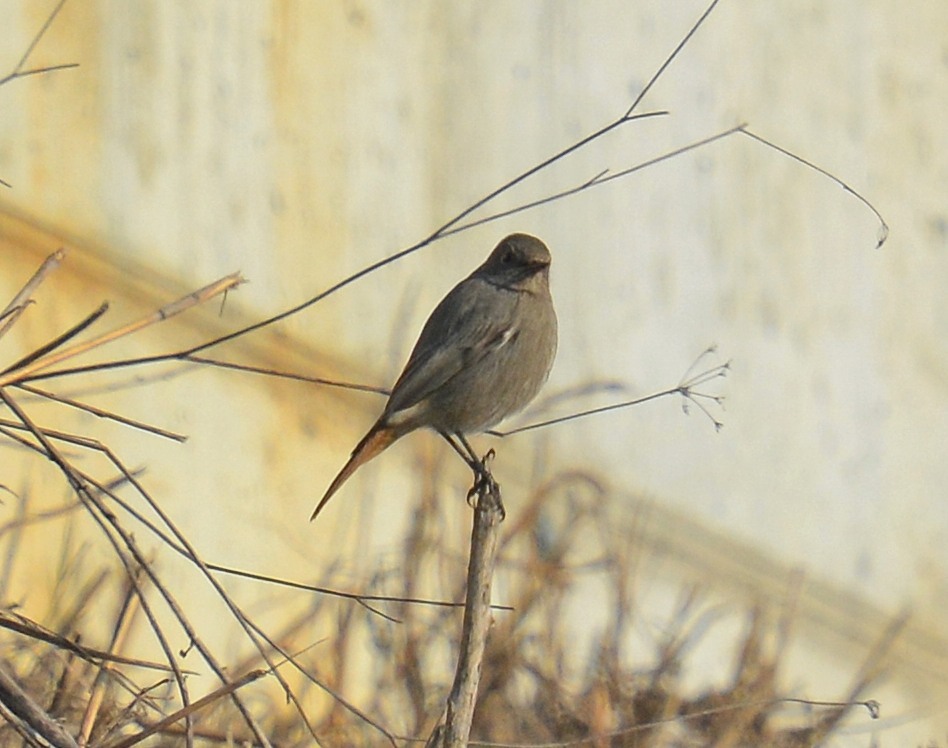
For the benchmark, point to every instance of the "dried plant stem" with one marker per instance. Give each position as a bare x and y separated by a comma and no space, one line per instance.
105,518
130,606
454,728
18,71
226,690
19,703
170,310
101,413
25,626
15,308
121,539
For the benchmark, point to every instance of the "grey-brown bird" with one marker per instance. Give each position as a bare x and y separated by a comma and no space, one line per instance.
483,354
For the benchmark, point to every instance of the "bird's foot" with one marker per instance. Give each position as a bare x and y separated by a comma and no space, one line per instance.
485,488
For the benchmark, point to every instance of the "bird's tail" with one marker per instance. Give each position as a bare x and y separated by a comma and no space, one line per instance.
377,440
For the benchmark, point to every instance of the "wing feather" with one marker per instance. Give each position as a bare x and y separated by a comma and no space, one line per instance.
470,322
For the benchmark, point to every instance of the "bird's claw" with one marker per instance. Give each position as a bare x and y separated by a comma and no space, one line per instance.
485,486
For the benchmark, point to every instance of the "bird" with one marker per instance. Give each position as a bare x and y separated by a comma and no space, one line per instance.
484,353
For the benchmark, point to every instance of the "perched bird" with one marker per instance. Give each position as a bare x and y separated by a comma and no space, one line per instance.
483,354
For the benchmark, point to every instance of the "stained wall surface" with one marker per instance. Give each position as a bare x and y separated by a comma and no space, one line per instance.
298,142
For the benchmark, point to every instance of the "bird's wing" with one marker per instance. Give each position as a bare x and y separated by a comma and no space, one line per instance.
474,319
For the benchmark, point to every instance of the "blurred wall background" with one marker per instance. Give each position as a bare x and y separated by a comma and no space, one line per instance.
298,142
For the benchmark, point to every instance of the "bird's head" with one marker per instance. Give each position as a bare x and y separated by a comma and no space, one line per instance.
519,261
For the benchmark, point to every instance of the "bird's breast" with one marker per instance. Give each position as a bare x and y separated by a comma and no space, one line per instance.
507,377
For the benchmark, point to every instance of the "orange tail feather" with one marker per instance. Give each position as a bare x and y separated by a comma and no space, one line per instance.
377,440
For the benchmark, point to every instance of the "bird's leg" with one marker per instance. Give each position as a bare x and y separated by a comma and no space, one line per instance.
465,451
477,464
484,484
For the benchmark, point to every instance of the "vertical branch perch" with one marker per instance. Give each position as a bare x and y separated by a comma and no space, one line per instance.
454,727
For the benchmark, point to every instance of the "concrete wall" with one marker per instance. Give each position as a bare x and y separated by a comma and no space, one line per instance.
298,142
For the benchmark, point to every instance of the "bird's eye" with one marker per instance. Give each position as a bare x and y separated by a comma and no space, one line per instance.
507,256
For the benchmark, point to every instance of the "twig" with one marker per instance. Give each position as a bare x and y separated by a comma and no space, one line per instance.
225,690
166,312
674,53
19,702
685,388
270,372
455,727
109,519
249,628
119,635
455,226
101,413
15,308
884,227
239,616
107,522
18,71
79,480
358,597
438,234
600,179
59,340
36,631
871,706
364,599
333,693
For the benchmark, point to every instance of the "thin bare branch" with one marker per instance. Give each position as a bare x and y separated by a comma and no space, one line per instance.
883,228
107,522
365,600
19,702
32,629
129,608
870,705
18,71
675,52
685,388
166,312
38,71
322,685
434,236
238,615
101,413
283,374
358,597
602,178
205,701
454,728
13,310
58,341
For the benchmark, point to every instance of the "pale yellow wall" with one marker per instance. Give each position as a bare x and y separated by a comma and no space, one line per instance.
297,142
